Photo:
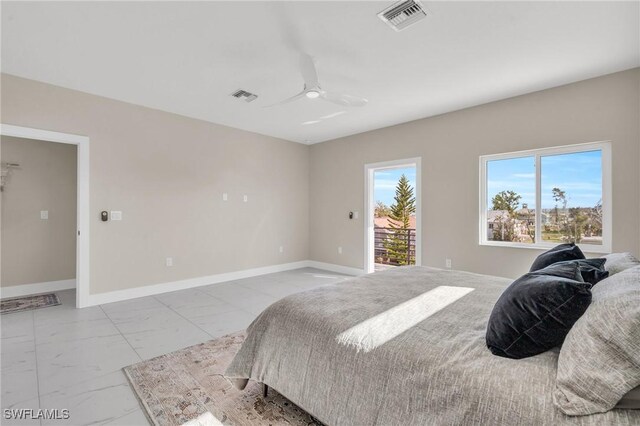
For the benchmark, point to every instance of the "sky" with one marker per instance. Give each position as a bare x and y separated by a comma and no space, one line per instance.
385,182
578,174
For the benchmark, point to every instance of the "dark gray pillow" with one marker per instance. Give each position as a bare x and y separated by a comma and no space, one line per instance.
592,270
535,313
559,253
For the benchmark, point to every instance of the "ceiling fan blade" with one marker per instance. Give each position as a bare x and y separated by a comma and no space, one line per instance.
308,70
342,99
286,101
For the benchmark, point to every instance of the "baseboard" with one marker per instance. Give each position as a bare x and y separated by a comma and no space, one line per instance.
37,288
151,290
347,270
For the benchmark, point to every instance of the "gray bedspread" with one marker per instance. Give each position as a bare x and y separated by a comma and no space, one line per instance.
437,372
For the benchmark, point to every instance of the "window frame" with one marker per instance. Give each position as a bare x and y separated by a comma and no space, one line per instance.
607,210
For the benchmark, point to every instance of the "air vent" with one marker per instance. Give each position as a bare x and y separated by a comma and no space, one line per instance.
403,14
243,94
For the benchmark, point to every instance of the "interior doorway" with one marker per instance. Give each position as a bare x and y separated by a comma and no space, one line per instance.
81,226
393,214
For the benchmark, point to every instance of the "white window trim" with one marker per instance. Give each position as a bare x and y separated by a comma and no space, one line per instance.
607,202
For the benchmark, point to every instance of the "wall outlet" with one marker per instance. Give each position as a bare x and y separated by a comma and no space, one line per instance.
281,249
44,214
225,197
169,261
339,250
448,263
116,215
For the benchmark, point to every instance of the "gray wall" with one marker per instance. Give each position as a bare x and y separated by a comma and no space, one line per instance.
36,250
605,108
167,173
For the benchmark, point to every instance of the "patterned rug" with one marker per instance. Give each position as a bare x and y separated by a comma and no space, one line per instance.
177,387
19,304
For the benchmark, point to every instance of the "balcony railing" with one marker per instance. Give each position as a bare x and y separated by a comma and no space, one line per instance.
395,246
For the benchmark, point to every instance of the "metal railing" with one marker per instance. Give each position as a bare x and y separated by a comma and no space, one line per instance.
394,246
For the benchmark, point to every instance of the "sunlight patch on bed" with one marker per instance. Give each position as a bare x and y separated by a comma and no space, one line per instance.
385,326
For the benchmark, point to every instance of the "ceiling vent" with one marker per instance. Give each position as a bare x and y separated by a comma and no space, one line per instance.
403,14
243,94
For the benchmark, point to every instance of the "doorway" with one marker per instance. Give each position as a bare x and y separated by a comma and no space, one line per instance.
393,214
82,205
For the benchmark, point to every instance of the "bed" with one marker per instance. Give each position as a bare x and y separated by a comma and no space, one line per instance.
437,370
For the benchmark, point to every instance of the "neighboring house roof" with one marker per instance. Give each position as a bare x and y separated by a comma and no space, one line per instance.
384,222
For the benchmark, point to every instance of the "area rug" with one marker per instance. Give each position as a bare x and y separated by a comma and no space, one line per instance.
181,385
19,304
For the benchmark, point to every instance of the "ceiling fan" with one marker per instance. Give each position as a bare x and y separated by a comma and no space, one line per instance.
312,89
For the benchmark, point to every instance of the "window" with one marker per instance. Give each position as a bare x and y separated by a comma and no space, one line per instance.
541,198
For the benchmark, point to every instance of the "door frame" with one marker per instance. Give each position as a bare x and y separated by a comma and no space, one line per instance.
369,207
82,204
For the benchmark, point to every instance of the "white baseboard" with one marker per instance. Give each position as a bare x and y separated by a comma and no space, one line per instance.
37,288
347,270
151,290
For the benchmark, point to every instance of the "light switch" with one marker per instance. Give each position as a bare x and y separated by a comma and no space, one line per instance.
246,198
225,197
356,215
44,214
116,215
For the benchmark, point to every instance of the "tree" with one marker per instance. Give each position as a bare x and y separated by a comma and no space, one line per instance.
399,245
530,223
504,226
594,226
381,210
575,230
573,222
559,195
506,200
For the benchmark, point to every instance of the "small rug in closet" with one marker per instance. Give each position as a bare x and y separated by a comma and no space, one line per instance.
27,303
179,386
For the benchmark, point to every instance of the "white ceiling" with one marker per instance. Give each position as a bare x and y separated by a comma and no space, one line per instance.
188,57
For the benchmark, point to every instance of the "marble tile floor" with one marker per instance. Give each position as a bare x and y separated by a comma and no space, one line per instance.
66,358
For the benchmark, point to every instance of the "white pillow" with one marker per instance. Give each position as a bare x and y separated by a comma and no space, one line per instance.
599,359
618,262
